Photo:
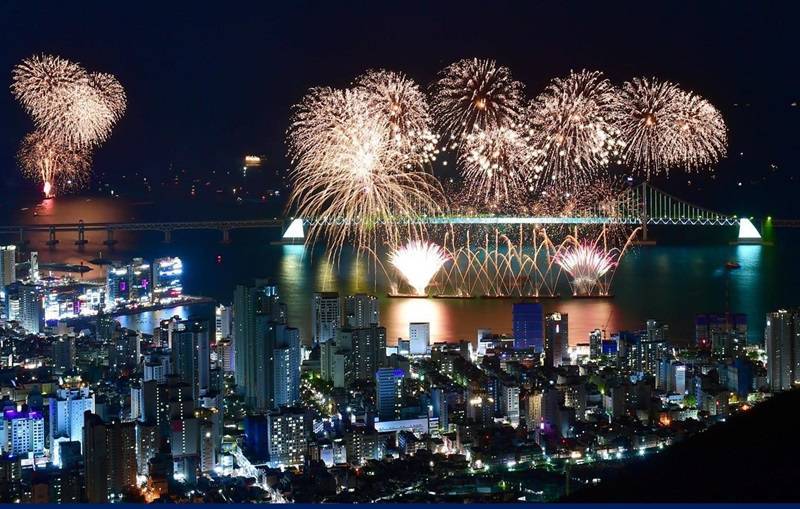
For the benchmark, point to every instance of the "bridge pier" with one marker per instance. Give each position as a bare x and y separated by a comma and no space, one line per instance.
81,235
226,236
167,236
52,241
110,238
22,242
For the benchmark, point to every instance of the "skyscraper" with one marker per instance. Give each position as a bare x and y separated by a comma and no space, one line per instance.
254,309
21,433
8,266
595,344
368,349
63,354
419,334
556,339
389,391
782,341
31,309
286,366
109,454
528,324
325,316
167,274
190,356
361,310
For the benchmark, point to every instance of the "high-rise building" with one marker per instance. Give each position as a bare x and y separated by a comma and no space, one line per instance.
22,433
140,283
117,285
528,324
509,402
596,344
167,274
66,416
334,360
368,347
556,339
361,310
782,341
223,322
254,309
124,349
31,308
63,354
8,266
191,359
224,348
325,316
286,366
389,391
33,271
109,454
419,334
286,436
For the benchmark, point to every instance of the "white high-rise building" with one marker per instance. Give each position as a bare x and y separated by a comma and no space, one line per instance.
325,316
22,433
286,437
224,320
66,417
419,334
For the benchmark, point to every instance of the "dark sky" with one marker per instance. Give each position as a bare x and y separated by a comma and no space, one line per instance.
207,85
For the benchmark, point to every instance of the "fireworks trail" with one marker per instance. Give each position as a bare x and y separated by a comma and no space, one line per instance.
666,127
493,166
475,94
574,135
418,262
349,178
57,166
397,99
68,105
591,266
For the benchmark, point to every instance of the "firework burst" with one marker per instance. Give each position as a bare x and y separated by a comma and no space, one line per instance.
68,104
418,261
493,166
585,265
397,99
666,127
349,178
57,166
572,123
476,94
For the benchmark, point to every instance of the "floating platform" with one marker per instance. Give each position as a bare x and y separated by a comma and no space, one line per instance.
406,296
287,242
527,297
608,296
65,267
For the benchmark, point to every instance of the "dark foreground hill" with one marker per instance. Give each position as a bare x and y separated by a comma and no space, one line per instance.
753,457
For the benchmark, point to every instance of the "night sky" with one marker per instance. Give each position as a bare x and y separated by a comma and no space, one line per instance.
205,86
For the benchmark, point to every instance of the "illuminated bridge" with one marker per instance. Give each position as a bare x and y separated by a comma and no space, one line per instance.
641,205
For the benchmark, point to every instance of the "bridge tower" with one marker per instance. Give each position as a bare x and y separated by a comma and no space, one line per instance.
643,215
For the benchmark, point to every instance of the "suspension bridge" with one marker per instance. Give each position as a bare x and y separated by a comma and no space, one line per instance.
642,205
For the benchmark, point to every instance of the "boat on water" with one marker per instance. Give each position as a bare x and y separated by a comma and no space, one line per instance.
732,265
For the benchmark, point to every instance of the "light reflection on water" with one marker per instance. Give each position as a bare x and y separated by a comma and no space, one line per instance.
670,283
